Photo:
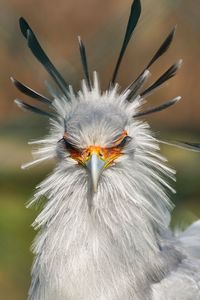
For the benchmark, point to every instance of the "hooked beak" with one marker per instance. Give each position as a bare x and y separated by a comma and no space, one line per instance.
95,166
96,159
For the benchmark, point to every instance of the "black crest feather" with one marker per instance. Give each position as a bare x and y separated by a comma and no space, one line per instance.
158,108
163,48
30,92
171,72
132,22
137,85
41,56
34,109
84,61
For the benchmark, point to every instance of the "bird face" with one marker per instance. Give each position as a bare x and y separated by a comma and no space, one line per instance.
97,158
96,145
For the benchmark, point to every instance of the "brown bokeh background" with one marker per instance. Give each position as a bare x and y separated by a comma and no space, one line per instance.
101,24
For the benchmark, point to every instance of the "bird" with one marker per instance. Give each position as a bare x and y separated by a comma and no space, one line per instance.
104,229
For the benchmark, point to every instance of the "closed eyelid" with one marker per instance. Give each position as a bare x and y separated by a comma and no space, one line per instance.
122,140
68,145
125,141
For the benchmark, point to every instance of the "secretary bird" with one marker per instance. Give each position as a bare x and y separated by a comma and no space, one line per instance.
104,229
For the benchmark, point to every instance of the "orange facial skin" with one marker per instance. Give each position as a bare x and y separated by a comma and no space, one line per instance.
106,154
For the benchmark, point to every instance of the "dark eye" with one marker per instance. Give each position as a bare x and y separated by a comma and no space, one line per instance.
68,145
124,142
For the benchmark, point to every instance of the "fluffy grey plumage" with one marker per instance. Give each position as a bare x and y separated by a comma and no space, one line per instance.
115,243
104,230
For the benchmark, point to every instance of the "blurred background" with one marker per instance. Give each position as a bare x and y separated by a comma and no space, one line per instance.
101,24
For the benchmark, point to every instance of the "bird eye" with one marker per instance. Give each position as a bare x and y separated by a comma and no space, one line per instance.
124,142
68,145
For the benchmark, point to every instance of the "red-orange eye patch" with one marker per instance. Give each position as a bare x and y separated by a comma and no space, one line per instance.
107,154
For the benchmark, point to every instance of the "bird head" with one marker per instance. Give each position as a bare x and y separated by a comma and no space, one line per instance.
95,136
98,135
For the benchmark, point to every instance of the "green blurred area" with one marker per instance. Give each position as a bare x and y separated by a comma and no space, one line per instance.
102,29
16,188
